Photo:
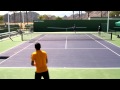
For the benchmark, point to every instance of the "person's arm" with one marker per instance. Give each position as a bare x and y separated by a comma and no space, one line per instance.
46,60
32,60
32,63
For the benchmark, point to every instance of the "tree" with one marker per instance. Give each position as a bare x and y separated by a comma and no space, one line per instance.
88,13
20,20
79,14
65,17
53,17
14,16
43,17
115,14
40,17
73,14
1,18
27,17
58,18
101,13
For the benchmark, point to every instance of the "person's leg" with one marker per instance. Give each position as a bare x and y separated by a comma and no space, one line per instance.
38,75
46,75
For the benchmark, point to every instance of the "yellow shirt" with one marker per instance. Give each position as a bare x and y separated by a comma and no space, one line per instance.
39,57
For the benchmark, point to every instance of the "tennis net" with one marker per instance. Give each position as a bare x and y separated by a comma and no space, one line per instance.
62,36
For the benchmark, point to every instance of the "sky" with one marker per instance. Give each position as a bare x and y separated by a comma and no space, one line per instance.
56,13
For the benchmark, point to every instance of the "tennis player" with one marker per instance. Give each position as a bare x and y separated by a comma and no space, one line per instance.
74,27
39,59
99,29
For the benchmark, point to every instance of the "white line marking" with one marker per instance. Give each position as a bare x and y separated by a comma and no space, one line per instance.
18,67
8,38
70,48
19,51
13,47
67,67
107,41
105,46
82,68
87,48
66,43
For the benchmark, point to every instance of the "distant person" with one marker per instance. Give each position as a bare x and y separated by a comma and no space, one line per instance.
118,36
99,29
40,60
5,25
19,31
31,29
74,27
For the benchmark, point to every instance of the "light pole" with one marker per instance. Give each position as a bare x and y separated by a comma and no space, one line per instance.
108,22
8,24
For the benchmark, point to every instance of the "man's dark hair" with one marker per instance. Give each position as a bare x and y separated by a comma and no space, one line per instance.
37,46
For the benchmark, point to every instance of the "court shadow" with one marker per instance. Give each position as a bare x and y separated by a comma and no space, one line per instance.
4,57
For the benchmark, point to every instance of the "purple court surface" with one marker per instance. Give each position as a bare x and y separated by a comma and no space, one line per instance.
89,52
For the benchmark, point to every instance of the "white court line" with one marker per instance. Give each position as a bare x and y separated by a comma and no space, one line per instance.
107,41
68,67
19,51
105,46
84,68
70,48
13,47
18,67
8,38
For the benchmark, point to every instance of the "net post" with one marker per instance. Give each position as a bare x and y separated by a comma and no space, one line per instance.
21,33
111,36
22,36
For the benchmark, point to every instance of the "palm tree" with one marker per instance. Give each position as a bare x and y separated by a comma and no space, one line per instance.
20,20
88,13
101,13
1,18
73,15
81,14
27,17
14,16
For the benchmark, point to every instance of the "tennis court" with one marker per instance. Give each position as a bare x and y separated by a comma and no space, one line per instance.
73,50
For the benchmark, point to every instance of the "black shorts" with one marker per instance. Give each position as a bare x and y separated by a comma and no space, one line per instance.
45,75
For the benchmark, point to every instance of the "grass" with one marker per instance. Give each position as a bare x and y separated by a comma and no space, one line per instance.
107,37
7,44
115,40
61,73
